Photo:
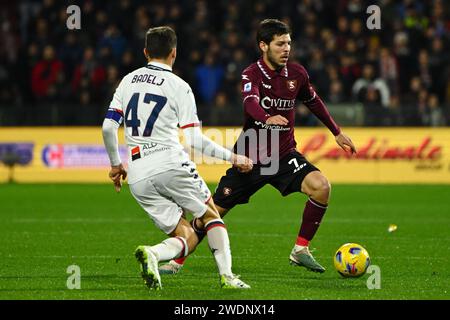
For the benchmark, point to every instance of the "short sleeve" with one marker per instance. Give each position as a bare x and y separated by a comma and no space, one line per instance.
186,108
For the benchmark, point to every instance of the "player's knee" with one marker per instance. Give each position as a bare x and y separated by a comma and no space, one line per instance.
188,234
321,190
326,187
208,216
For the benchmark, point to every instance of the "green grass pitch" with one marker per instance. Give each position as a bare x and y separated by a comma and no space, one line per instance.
46,228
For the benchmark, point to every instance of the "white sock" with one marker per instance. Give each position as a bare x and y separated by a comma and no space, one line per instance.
170,249
219,244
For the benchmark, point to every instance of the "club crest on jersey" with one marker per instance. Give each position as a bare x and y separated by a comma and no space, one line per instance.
226,191
248,87
291,84
135,153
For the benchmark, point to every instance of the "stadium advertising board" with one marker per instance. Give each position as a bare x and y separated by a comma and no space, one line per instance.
385,155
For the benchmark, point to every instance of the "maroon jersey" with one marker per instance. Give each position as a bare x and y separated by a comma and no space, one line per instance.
266,93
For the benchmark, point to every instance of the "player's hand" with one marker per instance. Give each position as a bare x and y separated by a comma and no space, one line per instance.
345,143
277,120
242,163
115,174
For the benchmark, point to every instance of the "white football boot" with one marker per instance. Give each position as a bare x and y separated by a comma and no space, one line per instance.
149,267
304,258
232,282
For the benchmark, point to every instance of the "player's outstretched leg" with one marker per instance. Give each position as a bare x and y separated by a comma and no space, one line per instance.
174,247
300,254
211,225
174,266
219,244
317,187
302,257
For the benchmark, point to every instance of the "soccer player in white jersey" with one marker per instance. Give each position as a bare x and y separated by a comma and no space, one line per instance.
154,103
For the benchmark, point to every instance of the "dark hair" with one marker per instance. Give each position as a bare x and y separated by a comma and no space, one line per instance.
160,41
269,28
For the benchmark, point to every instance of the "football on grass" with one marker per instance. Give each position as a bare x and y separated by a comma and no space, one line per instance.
351,260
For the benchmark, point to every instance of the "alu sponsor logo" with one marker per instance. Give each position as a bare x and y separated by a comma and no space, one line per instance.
151,148
149,145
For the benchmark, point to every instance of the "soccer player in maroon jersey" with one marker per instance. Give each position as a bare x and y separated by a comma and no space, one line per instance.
271,88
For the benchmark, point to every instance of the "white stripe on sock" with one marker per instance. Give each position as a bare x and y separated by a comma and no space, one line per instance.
169,249
317,205
185,246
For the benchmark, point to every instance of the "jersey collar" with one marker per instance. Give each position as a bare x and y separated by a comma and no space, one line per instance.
159,66
269,73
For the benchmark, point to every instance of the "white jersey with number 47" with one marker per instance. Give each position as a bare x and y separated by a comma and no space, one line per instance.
153,103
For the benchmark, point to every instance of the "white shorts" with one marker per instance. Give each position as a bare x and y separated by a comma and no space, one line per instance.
164,196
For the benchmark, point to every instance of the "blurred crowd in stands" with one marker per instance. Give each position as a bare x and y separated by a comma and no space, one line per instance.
50,75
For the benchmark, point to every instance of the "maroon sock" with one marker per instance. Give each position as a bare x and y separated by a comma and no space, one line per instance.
312,216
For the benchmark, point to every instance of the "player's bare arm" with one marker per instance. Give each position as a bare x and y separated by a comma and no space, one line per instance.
345,143
277,120
242,163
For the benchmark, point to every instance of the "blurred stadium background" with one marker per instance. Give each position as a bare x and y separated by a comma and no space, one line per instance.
397,76
389,89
